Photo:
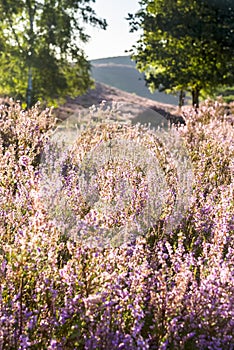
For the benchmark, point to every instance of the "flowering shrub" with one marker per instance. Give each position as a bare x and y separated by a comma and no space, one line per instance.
169,288
118,180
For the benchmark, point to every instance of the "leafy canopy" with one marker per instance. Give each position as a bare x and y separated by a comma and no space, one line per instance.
40,48
185,44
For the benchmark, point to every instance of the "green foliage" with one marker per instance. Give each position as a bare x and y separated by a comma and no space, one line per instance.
227,93
40,54
185,45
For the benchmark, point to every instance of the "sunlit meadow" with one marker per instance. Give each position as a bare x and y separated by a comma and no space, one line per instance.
122,239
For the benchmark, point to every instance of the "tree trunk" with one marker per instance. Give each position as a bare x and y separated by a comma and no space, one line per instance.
181,98
29,89
29,92
195,97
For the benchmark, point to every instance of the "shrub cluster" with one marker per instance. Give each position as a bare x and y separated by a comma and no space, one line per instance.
167,289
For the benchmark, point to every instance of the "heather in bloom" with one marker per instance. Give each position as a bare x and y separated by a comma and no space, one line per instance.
117,181
170,286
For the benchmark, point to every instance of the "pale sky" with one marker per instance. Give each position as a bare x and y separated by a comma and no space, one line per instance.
116,38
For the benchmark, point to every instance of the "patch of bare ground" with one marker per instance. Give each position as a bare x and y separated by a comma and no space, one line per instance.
139,109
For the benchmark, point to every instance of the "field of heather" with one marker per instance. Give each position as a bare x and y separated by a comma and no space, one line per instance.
114,235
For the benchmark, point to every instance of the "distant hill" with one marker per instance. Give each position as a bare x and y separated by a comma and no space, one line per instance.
121,72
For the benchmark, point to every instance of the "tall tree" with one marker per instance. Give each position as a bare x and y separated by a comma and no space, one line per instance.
185,45
40,48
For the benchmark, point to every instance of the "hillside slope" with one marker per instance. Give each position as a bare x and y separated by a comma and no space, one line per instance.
121,72
140,109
